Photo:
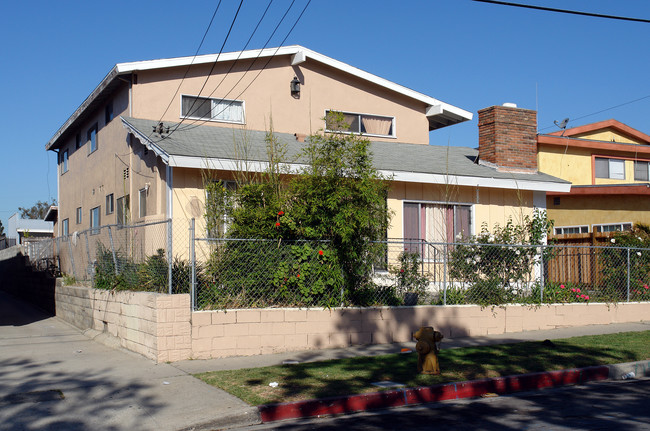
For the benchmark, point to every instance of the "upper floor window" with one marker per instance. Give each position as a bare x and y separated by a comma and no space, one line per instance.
64,162
108,113
374,125
610,168
203,108
641,170
109,204
66,228
92,138
78,141
78,215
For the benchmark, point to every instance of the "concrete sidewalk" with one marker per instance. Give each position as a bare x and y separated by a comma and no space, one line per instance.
54,377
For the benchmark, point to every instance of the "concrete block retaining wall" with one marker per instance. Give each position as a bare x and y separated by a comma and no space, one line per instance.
152,324
163,328
218,334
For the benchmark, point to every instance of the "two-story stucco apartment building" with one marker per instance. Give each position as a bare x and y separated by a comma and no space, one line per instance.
135,150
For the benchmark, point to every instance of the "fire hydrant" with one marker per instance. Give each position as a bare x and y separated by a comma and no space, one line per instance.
427,349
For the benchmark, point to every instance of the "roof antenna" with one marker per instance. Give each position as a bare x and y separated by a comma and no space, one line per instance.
562,125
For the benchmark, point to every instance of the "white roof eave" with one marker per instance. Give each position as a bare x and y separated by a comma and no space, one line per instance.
409,177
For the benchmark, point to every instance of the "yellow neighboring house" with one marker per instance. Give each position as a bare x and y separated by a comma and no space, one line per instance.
136,148
608,165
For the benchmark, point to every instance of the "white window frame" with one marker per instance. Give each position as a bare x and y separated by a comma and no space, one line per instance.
562,228
95,219
599,227
212,118
142,202
361,114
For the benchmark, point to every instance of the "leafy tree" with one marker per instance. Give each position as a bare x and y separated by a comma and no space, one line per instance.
340,197
37,211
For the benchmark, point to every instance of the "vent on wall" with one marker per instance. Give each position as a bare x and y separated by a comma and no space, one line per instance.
126,174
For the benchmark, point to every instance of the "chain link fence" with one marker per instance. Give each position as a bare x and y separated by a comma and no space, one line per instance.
168,257
265,273
122,257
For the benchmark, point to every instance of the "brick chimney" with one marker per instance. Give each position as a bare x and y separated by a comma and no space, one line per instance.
507,137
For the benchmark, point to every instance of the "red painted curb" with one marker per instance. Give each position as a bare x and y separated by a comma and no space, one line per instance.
428,394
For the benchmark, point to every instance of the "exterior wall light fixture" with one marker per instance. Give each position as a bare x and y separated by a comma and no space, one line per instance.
295,87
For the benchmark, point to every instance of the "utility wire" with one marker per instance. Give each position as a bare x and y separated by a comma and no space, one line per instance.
259,22
190,65
232,24
191,126
604,110
573,12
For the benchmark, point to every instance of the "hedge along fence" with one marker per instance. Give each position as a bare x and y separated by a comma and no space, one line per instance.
267,273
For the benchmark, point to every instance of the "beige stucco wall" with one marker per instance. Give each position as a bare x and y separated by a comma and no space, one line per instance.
608,136
91,177
267,97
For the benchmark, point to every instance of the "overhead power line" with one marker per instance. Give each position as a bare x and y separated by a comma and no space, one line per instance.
232,24
192,62
271,57
572,12
604,110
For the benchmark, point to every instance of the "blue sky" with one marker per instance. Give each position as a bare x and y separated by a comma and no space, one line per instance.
468,54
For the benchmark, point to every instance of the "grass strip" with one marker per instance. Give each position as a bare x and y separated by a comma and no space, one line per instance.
356,375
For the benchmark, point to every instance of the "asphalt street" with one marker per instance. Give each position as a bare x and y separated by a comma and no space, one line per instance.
612,405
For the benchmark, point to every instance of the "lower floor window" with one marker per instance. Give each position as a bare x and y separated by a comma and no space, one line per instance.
613,227
571,229
123,209
94,221
442,223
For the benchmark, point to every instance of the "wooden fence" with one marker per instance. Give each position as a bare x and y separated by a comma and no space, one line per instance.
580,261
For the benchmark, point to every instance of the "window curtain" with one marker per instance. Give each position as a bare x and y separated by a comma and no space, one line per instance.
227,111
376,125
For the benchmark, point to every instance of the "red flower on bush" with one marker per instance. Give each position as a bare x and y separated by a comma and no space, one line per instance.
645,286
562,286
298,275
277,224
320,252
578,290
280,213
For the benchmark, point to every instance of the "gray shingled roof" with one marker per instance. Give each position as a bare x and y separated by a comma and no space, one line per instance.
219,142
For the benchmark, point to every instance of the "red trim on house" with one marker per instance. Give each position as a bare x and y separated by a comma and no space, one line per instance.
618,147
607,124
628,189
